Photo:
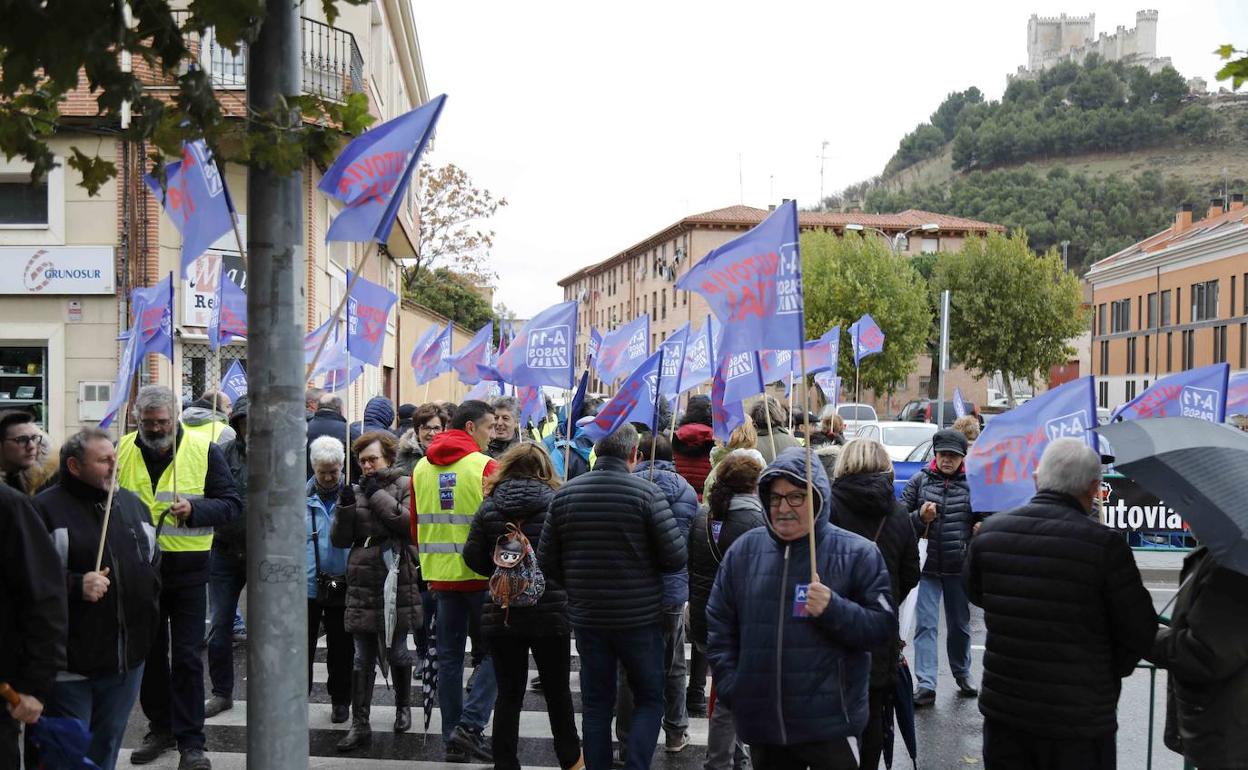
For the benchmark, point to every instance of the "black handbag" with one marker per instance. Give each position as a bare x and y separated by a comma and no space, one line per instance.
331,590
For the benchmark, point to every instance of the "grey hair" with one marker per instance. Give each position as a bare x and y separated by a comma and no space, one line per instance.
1070,466
155,397
759,413
313,394
506,403
76,445
621,444
326,450
330,401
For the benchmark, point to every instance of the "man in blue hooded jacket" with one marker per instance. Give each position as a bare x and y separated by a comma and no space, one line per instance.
790,655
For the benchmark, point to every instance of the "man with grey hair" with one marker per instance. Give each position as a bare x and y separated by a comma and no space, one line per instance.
506,429
1067,615
329,420
608,540
184,511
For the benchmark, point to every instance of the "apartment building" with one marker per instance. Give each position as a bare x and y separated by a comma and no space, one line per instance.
1172,302
80,256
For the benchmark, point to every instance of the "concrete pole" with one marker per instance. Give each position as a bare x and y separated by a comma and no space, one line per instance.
277,704
944,357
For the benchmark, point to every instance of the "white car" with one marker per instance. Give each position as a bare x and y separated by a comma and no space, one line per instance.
899,438
855,416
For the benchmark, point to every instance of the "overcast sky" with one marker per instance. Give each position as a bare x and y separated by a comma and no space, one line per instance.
604,124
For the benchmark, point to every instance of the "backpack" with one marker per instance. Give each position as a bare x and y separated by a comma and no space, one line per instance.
557,451
517,580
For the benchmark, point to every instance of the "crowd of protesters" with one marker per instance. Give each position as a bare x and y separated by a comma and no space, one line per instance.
783,565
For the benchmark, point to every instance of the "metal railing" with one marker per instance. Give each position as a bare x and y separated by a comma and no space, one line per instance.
333,67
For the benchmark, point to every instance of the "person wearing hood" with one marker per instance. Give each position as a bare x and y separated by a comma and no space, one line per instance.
373,519
227,572
732,509
378,416
406,411
447,490
691,446
774,440
656,466
506,431
864,503
518,495
208,416
327,576
791,655
327,421
112,609
938,499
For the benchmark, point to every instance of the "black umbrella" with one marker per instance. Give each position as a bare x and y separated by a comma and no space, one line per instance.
900,708
429,668
1199,468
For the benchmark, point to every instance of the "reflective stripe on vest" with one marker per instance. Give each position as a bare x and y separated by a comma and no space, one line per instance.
446,499
192,475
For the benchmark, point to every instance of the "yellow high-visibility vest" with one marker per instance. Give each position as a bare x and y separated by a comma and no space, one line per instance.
209,430
447,497
192,475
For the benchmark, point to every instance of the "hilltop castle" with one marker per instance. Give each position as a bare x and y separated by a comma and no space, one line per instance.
1052,40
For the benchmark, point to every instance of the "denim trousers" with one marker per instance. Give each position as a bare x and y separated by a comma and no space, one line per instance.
640,651
675,708
456,611
227,577
957,620
104,703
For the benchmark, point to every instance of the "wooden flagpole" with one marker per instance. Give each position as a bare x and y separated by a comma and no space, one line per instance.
771,436
342,303
112,487
810,484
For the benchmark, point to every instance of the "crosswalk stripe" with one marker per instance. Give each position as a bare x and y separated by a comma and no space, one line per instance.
224,760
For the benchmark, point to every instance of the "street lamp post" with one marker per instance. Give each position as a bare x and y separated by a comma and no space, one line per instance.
894,241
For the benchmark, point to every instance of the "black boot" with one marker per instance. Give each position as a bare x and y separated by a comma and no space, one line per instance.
361,732
402,698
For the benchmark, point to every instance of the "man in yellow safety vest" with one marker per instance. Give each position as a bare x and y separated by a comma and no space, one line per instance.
446,488
209,417
187,498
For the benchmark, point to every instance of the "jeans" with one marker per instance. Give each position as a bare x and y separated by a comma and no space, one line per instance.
455,612
958,621
640,651
339,650
822,755
172,694
675,710
553,657
227,576
104,703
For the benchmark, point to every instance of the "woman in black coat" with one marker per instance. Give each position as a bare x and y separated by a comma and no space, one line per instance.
519,493
863,503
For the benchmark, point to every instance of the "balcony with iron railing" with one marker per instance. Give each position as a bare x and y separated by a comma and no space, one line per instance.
333,67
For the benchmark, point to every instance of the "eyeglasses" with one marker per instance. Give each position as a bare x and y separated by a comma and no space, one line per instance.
26,440
149,424
794,499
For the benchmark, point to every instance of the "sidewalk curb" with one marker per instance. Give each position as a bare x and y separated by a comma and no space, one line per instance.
1160,575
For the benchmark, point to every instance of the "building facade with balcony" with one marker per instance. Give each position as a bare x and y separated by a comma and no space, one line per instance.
1172,302
72,259
641,278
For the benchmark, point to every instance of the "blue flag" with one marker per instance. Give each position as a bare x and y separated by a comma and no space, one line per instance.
130,359
699,359
340,377
777,366
1237,394
196,199
959,406
822,354
229,313
673,361
867,336
234,383
368,308
434,358
1003,460
422,345
532,405
577,407
475,353
830,384
153,318
623,349
595,341
312,341
484,390
544,352
1199,393
634,402
743,377
726,415
754,285
371,175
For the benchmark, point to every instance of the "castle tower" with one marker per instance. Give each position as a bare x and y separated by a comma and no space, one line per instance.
1146,34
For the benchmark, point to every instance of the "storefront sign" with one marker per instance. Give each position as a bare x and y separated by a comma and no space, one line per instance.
1128,507
200,288
35,270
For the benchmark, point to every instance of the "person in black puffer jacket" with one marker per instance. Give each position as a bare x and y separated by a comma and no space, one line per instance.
609,538
227,572
863,503
519,493
792,657
938,499
733,508
1067,618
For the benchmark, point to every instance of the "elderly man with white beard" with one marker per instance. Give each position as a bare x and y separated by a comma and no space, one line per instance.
184,513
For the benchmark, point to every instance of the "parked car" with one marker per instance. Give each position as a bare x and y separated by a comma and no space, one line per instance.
925,410
899,438
919,458
856,415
